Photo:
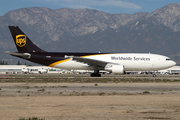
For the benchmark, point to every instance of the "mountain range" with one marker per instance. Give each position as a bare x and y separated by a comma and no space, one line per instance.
89,30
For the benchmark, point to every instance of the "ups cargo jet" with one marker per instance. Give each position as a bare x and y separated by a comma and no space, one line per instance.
113,62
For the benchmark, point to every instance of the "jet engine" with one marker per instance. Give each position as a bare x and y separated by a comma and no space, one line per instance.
117,69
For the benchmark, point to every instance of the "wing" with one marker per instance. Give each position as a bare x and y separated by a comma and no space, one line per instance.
92,62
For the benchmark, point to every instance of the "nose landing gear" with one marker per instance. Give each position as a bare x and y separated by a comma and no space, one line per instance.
154,75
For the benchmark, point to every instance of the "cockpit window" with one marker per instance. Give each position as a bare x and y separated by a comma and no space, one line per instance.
168,59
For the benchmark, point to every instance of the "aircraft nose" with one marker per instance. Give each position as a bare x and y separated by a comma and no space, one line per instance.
173,63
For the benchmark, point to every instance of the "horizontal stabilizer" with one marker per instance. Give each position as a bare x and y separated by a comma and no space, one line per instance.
22,55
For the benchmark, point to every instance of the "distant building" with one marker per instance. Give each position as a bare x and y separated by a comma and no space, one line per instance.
172,70
13,69
18,69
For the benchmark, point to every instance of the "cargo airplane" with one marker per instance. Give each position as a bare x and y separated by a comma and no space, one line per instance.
116,63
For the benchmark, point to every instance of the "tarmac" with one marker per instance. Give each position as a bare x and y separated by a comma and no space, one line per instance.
90,100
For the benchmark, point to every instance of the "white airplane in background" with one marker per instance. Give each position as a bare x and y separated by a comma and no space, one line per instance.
113,62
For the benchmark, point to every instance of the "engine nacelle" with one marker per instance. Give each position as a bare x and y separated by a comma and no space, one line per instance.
117,69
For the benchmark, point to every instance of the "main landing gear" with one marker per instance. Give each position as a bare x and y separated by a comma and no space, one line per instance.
96,74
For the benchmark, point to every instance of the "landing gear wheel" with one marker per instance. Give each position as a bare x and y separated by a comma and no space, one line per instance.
95,75
154,75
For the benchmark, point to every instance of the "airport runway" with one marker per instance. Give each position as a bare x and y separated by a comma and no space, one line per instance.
80,89
80,97
56,84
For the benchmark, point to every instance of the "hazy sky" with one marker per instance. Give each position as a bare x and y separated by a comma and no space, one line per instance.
109,6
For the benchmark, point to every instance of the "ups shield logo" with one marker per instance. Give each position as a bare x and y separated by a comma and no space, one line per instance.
21,40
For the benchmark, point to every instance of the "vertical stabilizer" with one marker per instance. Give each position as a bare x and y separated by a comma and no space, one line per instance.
22,42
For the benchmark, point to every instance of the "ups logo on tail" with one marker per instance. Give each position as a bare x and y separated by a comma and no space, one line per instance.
21,40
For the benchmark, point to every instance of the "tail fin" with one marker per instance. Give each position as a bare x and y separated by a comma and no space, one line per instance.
22,42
